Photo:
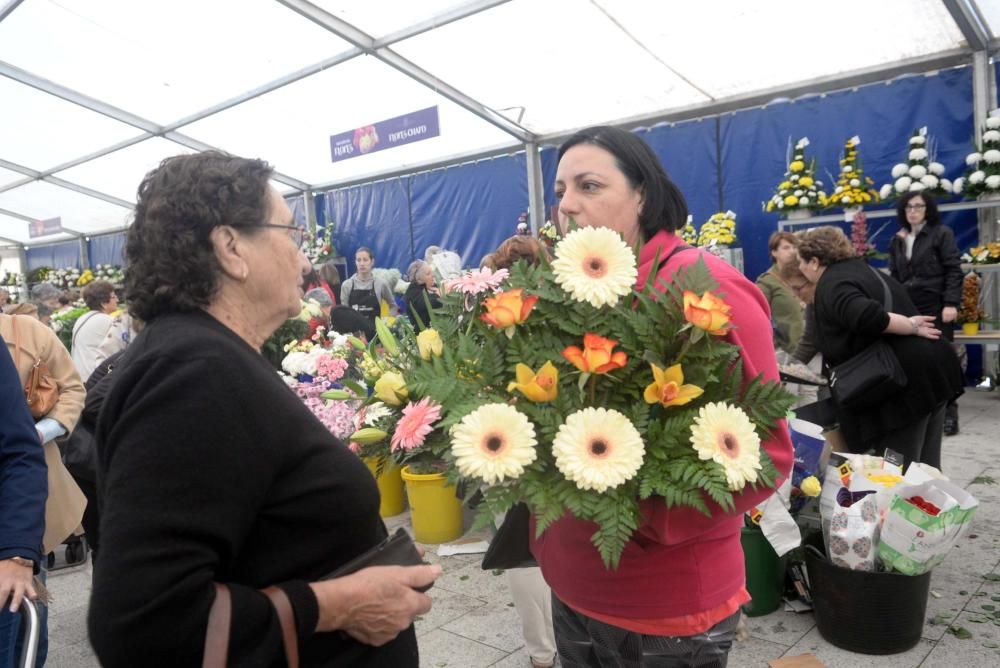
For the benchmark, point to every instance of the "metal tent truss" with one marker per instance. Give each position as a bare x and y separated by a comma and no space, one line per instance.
98,91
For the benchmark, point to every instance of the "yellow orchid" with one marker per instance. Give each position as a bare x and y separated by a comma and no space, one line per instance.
543,386
668,387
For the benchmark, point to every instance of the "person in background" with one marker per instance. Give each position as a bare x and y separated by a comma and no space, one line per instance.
364,293
4,298
47,294
92,327
850,317
24,308
330,280
28,341
321,297
211,470
923,257
446,264
779,285
23,488
675,598
421,287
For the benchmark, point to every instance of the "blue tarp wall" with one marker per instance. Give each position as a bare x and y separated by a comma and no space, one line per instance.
733,161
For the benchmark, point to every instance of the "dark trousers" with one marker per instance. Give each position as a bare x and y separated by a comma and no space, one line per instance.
584,642
920,441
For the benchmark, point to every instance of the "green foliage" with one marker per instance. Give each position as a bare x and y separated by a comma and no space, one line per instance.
274,348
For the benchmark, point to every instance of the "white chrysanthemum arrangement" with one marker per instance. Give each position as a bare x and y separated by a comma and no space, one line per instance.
800,190
920,172
983,174
566,386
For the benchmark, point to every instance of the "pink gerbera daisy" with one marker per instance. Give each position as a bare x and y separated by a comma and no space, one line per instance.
477,281
416,423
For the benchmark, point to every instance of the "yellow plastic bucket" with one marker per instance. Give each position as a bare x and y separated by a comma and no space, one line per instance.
435,511
390,487
970,328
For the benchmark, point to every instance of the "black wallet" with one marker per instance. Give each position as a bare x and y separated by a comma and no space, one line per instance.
396,550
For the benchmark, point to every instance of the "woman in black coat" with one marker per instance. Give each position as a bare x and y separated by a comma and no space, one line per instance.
421,277
924,258
850,316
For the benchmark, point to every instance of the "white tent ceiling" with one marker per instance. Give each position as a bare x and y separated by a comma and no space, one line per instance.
94,93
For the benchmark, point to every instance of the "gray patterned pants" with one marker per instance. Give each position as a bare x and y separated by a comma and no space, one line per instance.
586,642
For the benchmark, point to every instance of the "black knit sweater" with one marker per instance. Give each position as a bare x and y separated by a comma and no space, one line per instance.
211,469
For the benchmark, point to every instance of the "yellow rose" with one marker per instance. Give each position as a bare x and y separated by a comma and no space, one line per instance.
797,166
429,343
810,486
791,200
391,388
540,387
806,181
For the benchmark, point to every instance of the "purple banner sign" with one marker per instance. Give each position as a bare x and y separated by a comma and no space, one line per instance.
43,228
405,129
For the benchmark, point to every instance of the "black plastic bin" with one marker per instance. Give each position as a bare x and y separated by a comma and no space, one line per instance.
869,613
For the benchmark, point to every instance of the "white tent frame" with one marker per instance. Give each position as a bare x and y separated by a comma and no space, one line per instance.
967,15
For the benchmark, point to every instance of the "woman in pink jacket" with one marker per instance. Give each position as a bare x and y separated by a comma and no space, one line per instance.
675,598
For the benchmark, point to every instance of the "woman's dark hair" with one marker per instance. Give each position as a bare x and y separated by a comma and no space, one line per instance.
519,247
310,280
931,215
365,249
97,293
170,261
827,243
663,204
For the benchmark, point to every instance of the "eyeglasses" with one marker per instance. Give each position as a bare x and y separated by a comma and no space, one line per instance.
915,207
298,234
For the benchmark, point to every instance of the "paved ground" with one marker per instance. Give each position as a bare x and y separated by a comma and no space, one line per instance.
473,622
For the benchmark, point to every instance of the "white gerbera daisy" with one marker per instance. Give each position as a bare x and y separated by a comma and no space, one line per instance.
594,265
899,170
598,449
493,442
917,171
724,433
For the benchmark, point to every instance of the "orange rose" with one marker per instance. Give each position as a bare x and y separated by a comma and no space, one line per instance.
507,309
596,356
707,312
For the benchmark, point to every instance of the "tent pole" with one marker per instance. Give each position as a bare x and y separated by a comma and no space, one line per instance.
536,191
84,253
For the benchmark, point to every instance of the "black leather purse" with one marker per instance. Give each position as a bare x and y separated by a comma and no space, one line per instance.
510,546
396,550
874,375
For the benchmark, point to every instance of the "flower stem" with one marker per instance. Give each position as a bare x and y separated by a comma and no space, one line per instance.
684,349
593,388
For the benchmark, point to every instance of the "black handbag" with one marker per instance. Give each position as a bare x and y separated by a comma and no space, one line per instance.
395,550
874,375
510,546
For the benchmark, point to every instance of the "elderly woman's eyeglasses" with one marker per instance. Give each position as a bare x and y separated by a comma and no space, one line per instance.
297,235
915,207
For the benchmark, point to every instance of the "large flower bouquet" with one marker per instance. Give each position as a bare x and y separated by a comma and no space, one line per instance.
109,272
564,386
853,188
983,175
919,173
65,278
548,234
799,190
319,247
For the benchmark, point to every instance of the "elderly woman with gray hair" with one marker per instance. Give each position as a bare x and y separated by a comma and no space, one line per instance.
420,293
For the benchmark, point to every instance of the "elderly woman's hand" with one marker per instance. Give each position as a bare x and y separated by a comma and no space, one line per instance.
375,604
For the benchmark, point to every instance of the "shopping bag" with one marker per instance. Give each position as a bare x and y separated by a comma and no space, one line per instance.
914,540
854,531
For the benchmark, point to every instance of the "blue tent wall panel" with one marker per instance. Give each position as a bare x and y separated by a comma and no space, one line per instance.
688,153
469,208
107,249
884,115
375,215
63,255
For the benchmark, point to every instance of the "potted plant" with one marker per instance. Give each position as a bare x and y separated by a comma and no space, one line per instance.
969,312
982,178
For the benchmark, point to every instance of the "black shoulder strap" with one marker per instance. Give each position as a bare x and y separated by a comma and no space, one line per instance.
677,249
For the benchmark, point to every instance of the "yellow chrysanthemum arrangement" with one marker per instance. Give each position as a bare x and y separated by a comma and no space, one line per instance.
800,190
719,230
564,386
988,253
853,188
86,277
